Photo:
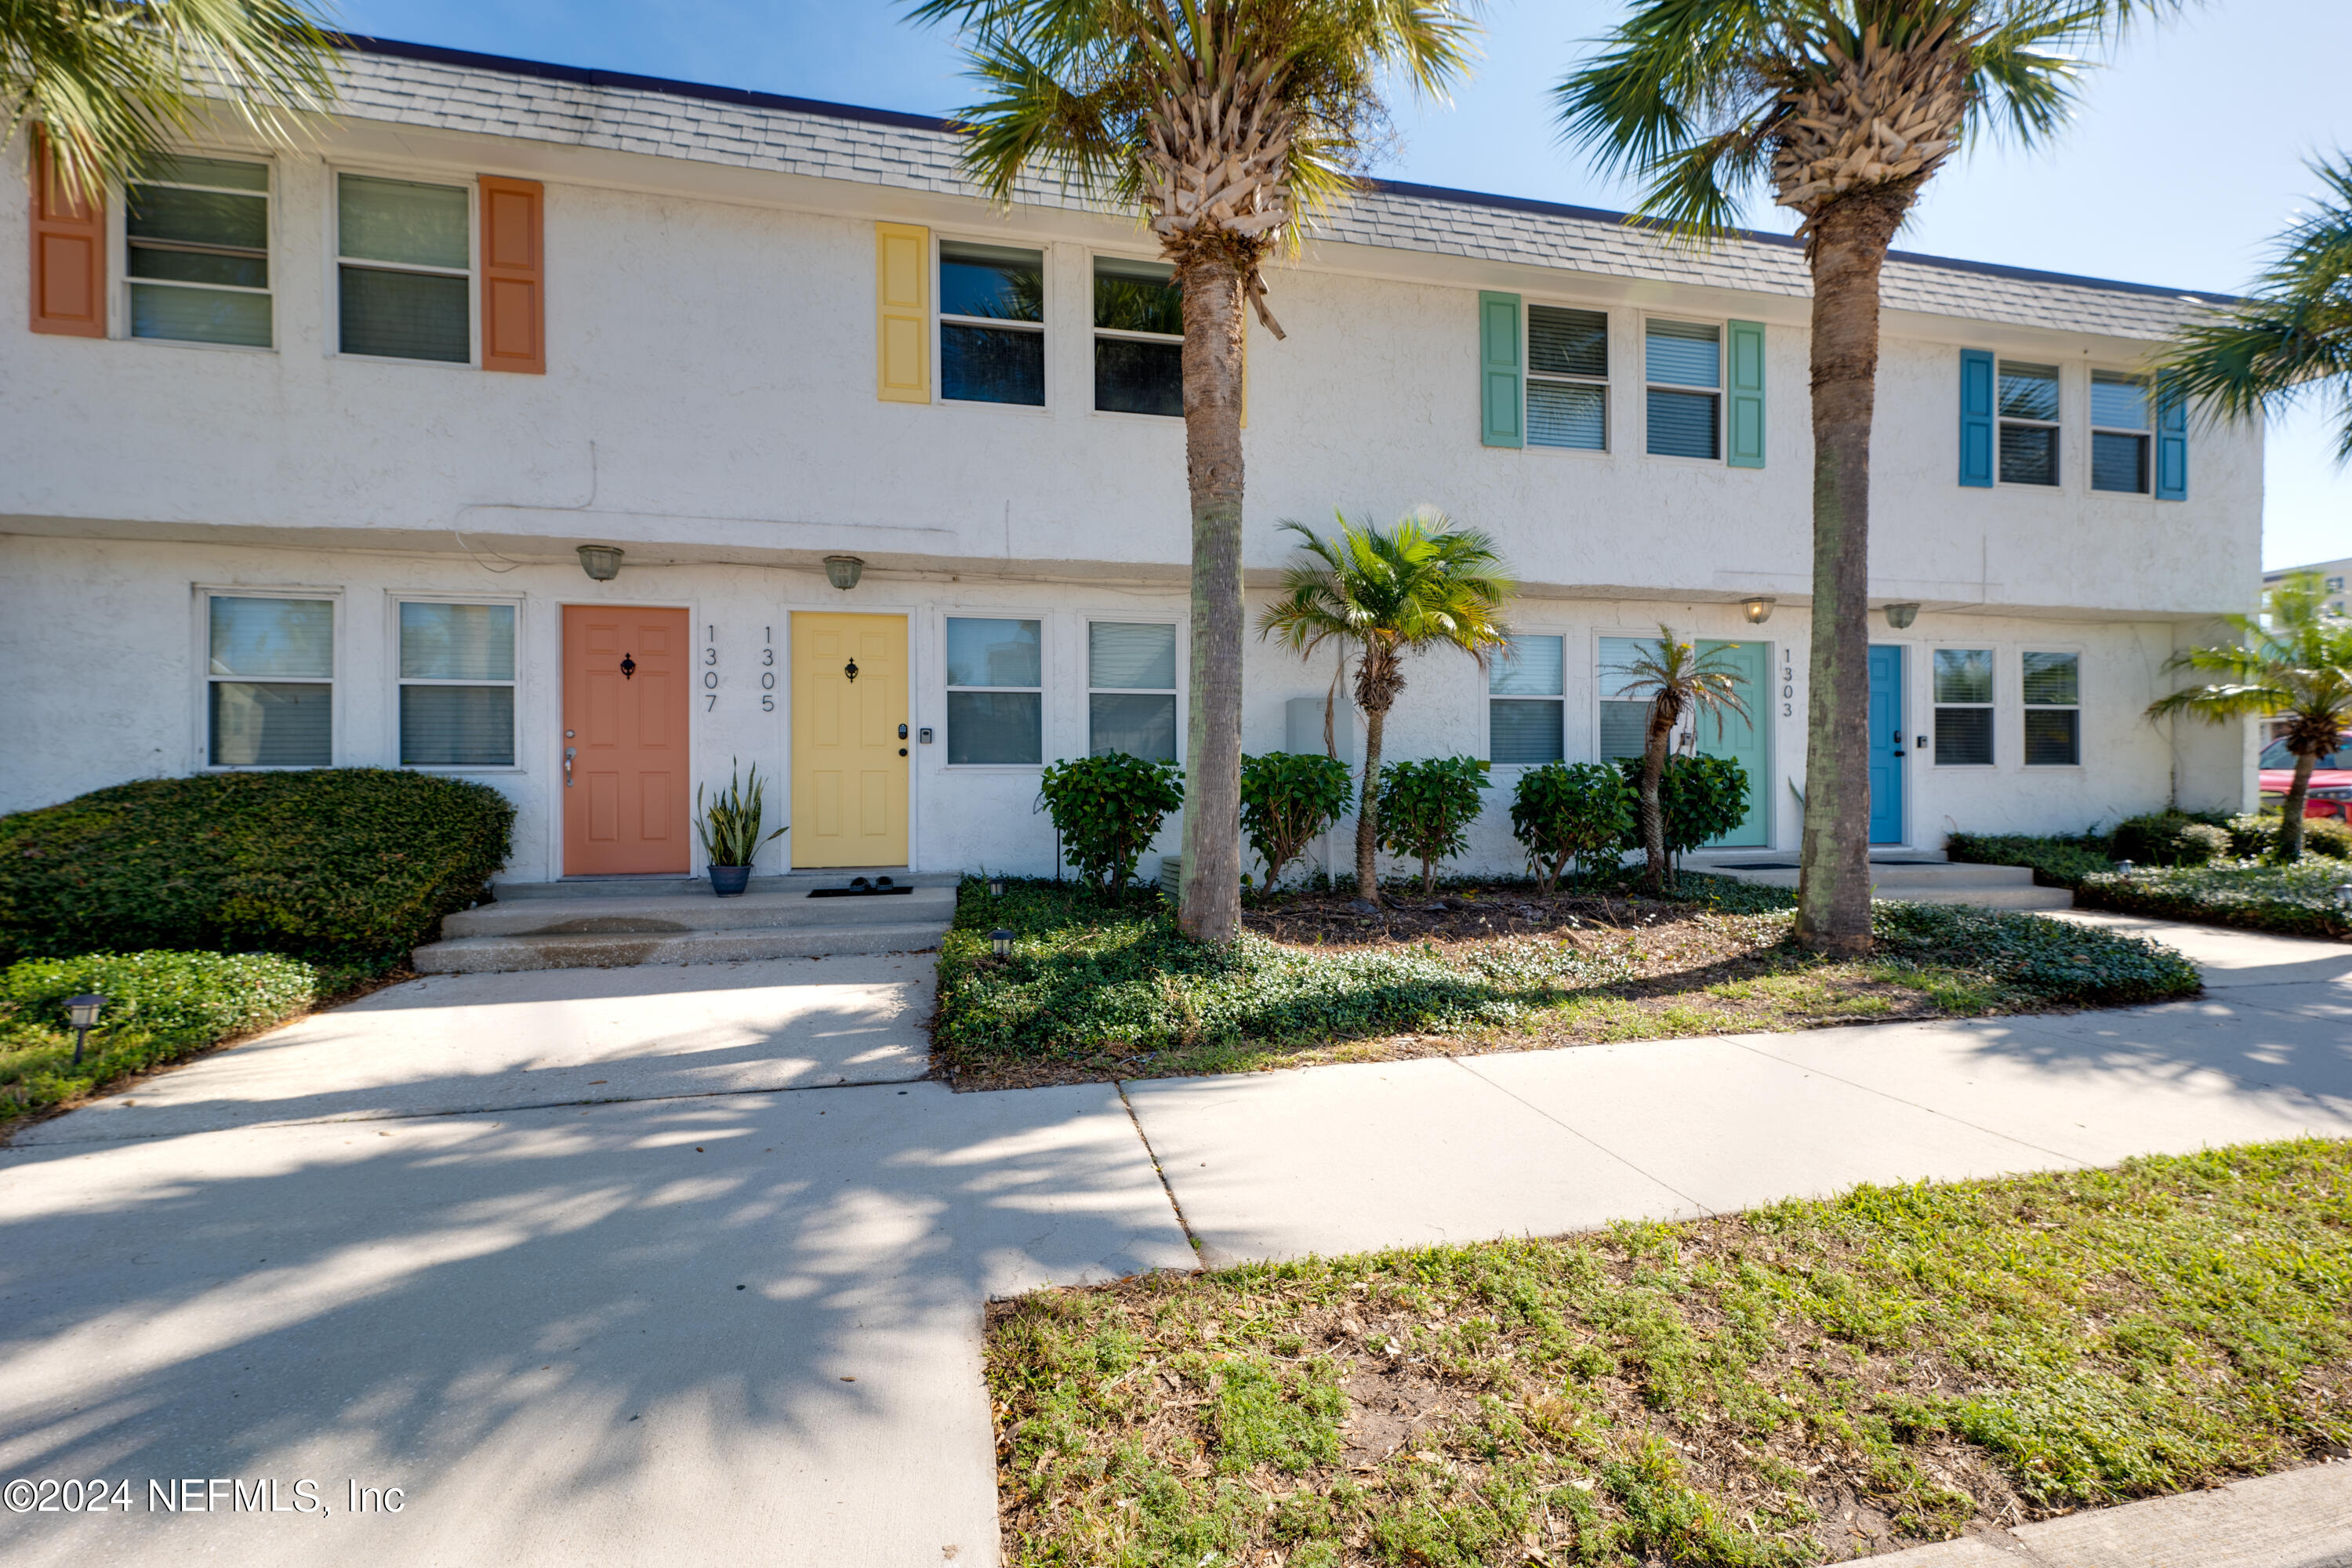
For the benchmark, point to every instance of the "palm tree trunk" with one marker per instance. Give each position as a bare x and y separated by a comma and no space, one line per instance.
1849,243
1209,906
2291,809
1368,811
1653,812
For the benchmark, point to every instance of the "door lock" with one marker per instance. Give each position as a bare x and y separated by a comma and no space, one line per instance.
902,732
569,753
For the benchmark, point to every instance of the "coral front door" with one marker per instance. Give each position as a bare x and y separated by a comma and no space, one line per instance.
625,748
850,739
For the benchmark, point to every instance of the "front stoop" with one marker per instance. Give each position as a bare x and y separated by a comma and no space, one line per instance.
1914,876
611,923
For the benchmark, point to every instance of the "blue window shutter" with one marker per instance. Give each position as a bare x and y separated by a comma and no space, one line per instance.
1744,449
1501,392
2171,446
1975,419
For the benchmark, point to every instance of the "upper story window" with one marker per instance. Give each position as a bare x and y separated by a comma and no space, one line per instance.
992,324
404,260
456,685
995,690
1138,337
2120,433
1132,689
1683,362
196,246
1568,378
1524,699
2054,710
1963,706
270,682
2028,424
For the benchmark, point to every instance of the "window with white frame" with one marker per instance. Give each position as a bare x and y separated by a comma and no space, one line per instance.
995,691
992,323
1568,378
2119,432
2053,692
456,685
404,257
1138,337
2028,424
270,682
195,235
1132,689
1525,694
1684,363
1963,679
1624,720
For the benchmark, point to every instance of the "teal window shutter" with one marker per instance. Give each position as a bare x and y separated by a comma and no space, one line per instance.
1976,417
2171,446
1745,446
1501,389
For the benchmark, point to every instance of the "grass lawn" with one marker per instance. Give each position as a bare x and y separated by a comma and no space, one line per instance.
1803,1383
1098,990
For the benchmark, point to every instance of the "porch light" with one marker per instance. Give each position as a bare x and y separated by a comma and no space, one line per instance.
1001,942
1900,616
601,561
83,1012
1758,609
844,571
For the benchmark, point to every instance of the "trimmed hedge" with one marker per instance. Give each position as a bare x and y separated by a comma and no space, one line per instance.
2058,860
340,864
2170,839
2295,901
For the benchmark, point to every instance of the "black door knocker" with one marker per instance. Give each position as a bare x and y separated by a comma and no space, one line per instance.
850,670
628,667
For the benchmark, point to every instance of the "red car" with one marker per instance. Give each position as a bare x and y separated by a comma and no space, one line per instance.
2331,780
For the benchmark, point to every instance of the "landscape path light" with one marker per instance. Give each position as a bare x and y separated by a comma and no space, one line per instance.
82,1013
2123,868
1001,941
996,887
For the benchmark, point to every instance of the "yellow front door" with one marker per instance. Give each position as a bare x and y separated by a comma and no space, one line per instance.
850,739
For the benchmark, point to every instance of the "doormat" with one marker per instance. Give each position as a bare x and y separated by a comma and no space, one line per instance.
857,892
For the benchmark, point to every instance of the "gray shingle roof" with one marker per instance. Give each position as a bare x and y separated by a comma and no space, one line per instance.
449,90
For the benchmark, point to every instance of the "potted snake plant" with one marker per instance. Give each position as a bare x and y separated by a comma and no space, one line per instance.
730,826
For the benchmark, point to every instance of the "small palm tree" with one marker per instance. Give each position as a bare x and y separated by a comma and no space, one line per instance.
1227,125
1847,109
2295,662
1676,679
1384,593
110,82
2294,335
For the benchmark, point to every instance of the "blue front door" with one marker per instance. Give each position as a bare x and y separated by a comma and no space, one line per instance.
1887,746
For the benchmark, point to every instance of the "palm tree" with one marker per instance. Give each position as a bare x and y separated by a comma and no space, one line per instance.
110,82
1227,124
1676,679
1386,592
2294,661
2292,335
1847,108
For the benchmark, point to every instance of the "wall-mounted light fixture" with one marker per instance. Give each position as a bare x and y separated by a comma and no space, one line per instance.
1758,609
844,571
601,561
1900,616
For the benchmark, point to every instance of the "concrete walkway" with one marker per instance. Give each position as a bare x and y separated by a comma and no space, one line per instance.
728,1311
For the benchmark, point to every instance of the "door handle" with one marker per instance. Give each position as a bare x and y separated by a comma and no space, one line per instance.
569,753
902,732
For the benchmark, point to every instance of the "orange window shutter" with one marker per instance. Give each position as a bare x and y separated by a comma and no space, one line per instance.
514,276
68,270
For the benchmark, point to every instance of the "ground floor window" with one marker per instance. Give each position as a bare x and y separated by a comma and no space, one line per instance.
456,685
1624,724
1132,689
995,691
1524,698
1963,706
2053,713
270,682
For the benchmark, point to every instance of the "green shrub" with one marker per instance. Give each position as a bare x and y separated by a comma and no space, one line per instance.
1700,797
338,864
2255,835
2170,839
159,1006
2058,860
1108,810
2062,962
1564,812
1288,797
1426,809
2296,901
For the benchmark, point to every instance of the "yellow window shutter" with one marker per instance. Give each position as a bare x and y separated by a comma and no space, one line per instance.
902,291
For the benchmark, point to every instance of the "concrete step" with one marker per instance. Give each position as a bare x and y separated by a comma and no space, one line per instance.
610,949
783,903
576,887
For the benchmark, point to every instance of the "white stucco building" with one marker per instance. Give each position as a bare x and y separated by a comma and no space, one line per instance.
297,450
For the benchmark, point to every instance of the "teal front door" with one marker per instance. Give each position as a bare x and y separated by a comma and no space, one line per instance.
1746,740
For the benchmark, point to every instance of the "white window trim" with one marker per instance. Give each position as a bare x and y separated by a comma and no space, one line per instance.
392,626
941,319
1601,693
1045,622
2058,457
1607,384
1935,705
333,251
204,595
1722,355
1122,335
117,245
1486,714
2146,434
1086,625
2082,662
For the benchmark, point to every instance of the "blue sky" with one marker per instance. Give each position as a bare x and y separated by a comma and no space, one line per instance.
2189,152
